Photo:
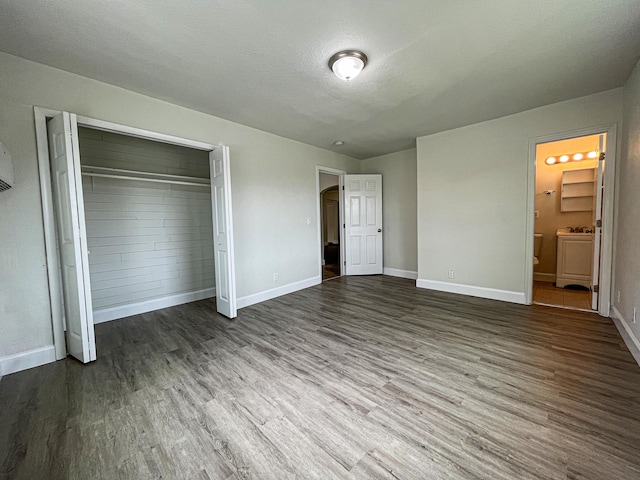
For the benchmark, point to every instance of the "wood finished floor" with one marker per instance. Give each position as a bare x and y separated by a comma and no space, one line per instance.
355,378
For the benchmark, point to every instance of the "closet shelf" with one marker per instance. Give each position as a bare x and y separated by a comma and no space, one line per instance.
106,172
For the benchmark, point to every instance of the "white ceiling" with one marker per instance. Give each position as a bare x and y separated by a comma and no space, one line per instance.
433,65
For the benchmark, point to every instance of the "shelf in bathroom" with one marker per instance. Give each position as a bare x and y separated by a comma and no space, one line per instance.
578,190
574,183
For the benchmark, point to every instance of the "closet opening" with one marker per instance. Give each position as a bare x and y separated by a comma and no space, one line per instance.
148,222
134,222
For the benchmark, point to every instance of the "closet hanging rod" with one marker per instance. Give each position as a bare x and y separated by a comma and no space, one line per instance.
106,172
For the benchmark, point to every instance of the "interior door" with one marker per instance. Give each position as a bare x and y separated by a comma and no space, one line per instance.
62,132
223,232
363,224
598,218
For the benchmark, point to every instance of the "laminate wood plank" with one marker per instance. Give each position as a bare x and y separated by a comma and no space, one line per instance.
355,378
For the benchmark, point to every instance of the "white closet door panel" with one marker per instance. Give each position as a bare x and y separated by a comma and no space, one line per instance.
69,209
223,232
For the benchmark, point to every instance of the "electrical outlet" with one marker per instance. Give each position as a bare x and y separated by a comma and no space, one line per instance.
536,214
452,274
618,297
275,277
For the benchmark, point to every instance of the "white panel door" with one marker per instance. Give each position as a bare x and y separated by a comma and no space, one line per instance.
597,240
223,232
62,132
363,224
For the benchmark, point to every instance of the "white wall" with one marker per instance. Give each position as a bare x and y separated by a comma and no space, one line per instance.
398,208
273,187
327,180
472,195
627,246
146,240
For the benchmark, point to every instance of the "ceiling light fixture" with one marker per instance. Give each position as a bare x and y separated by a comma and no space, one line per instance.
550,160
338,143
578,156
564,158
592,154
348,64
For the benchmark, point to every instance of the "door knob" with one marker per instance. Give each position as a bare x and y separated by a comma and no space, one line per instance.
379,230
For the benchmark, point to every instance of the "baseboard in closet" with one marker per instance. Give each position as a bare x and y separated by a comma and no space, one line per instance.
121,311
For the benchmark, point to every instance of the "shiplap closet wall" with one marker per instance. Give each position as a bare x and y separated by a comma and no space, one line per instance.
146,240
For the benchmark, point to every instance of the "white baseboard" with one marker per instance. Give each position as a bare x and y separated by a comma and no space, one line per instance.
544,277
396,272
278,291
482,292
25,360
632,342
121,311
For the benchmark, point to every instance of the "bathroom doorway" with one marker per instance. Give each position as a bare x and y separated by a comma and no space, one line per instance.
568,208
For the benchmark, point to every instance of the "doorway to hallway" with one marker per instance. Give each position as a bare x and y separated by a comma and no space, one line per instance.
330,225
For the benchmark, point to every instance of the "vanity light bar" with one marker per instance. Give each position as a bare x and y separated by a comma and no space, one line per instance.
576,157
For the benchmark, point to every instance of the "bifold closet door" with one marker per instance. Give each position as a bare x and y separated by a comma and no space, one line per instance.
62,131
223,232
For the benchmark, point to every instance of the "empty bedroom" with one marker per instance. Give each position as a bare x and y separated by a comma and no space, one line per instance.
317,240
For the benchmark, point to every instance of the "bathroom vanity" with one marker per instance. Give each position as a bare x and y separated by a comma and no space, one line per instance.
574,257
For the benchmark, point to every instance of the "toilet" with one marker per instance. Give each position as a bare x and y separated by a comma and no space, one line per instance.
537,247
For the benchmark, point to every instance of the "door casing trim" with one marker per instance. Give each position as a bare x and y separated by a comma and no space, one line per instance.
606,259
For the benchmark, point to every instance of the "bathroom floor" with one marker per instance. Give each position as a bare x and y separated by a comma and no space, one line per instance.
548,294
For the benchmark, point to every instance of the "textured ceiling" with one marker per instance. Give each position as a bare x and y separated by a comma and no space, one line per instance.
433,65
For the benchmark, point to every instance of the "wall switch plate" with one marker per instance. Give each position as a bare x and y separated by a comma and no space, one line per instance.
275,277
635,314
452,274
536,214
618,297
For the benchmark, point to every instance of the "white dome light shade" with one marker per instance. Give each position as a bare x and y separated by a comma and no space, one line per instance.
348,64
564,158
550,160
592,154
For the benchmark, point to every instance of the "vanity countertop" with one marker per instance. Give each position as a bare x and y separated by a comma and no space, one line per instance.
567,232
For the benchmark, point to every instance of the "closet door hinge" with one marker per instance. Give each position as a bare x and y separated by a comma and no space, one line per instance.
599,223
596,289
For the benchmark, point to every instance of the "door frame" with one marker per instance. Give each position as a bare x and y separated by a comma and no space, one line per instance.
340,174
41,116
606,258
